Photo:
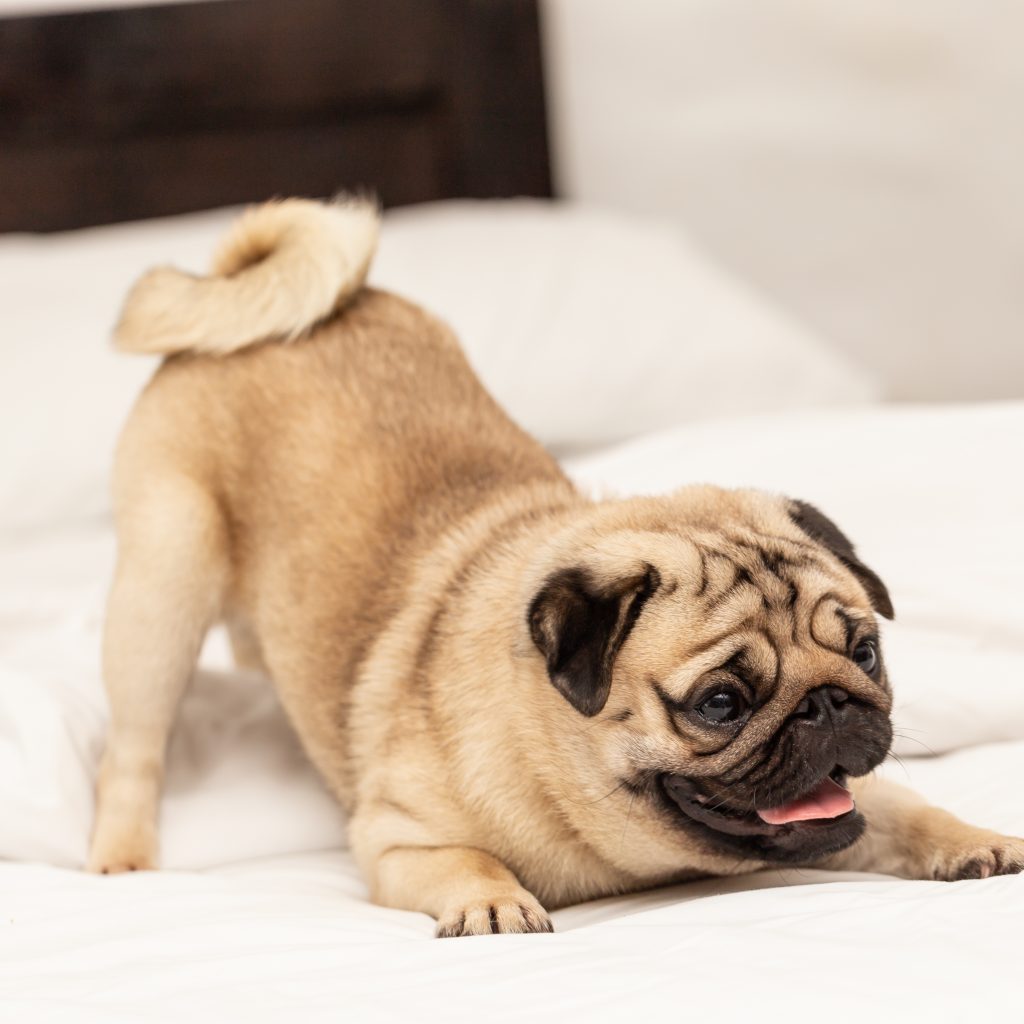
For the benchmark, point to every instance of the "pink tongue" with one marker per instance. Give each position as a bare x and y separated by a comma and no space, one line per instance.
826,800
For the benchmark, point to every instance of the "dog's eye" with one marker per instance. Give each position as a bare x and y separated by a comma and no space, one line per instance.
725,706
865,656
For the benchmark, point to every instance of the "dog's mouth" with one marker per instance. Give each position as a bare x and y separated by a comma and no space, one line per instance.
781,826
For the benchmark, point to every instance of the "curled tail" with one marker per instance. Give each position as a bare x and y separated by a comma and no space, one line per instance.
282,267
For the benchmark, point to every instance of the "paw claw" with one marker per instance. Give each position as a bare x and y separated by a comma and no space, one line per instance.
119,868
495,917
991,855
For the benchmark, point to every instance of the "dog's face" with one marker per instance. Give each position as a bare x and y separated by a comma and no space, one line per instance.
720,657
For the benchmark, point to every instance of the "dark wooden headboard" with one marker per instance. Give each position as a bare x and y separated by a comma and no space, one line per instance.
126,113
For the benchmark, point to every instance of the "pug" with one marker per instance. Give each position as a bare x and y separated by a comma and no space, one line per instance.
523,697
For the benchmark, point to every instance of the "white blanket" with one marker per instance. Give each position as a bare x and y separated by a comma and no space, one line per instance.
263,916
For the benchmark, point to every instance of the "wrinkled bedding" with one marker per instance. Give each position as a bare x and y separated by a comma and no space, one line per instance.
262,916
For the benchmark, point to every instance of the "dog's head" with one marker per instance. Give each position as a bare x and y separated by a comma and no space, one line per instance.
722,675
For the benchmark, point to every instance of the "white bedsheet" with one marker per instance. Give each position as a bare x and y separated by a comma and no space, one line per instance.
263,917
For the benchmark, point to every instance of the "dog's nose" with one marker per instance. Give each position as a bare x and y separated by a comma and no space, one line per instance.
819,705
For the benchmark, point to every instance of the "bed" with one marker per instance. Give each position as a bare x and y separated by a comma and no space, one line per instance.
259,913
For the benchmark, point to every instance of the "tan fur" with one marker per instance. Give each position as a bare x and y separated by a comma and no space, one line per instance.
374,529
283,267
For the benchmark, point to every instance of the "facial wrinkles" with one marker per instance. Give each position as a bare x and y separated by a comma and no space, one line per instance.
763,568
789,604
831,625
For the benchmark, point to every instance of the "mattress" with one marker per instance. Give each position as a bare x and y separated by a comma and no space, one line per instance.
260,914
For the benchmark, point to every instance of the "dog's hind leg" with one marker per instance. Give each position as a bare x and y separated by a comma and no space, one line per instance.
169,586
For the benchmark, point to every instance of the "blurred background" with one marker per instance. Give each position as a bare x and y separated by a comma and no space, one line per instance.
857,164
861,162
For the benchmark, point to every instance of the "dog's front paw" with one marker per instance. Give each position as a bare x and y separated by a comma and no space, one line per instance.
512,912
979,855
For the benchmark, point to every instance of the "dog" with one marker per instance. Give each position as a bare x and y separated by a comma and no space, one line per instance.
523,697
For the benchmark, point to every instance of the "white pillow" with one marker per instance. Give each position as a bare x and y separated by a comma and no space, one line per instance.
591,326
588,326
64,392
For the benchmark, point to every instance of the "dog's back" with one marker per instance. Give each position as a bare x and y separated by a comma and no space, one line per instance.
310,404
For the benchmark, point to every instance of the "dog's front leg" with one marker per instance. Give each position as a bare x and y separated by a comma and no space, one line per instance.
467,890
419,849
908,838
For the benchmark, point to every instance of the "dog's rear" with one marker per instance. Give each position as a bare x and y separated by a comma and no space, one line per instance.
273,475
283,268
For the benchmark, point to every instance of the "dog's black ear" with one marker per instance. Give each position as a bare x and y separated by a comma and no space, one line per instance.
579,624
819,527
